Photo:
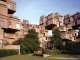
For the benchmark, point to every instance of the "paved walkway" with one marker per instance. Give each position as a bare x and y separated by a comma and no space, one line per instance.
64,58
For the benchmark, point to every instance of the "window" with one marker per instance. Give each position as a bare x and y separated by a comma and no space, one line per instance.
49,32
18,26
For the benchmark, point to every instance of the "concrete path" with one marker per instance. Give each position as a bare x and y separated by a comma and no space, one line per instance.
64,58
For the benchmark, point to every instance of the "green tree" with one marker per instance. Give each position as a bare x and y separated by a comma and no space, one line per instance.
56,38
30,42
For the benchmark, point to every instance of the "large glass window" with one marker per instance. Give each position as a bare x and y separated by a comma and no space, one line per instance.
18,26
49,32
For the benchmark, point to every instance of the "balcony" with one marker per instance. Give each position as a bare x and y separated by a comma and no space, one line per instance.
10,36
8,39
13,25
4,24
51,23
63,28
53,20
69,27
3,2
68,36
76,20
11,7
10,29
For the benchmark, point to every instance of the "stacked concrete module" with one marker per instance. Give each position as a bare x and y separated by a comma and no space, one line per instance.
11,27
52,20
72,23
42,34
68,25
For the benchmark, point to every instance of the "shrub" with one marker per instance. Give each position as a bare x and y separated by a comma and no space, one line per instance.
30,42
72,48
53,51
7,52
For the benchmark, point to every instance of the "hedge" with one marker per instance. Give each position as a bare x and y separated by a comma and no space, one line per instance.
7,52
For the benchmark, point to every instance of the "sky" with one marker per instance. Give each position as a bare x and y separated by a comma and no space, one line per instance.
32,9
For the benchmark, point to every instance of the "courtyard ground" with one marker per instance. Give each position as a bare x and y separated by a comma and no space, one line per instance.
31,57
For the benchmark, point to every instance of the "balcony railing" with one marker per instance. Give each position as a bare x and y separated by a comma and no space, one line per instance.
53,22
62,28
68,36
10,36
14,23
10,4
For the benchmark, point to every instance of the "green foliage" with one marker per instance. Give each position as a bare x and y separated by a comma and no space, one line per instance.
72,47
53,51
6,52
25,57
56,38
30,42
18,42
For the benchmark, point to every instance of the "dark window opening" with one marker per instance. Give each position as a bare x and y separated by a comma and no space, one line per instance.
3,0
10,11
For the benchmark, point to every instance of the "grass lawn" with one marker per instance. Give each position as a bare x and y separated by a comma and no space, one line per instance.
24,57
30,57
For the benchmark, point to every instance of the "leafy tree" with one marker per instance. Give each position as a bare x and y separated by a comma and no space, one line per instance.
56,38
30,42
